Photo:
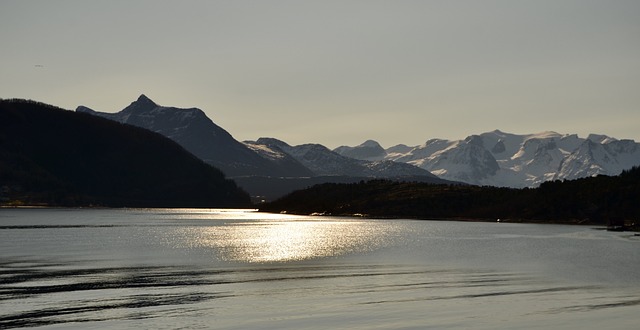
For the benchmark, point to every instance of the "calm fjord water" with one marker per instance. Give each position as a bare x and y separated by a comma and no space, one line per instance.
234,269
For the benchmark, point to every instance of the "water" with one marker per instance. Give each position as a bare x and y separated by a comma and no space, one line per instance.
233,269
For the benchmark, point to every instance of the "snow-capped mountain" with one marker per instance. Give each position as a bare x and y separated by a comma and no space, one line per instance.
324,162
195,132
504,159
609,157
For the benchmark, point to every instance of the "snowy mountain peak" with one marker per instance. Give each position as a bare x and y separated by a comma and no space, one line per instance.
466,161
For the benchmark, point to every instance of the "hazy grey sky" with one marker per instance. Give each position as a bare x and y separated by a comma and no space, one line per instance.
337,72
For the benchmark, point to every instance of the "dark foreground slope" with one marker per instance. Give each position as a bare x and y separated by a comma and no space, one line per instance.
595,200
51,156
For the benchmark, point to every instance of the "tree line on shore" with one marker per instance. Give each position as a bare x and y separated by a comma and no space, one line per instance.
603,200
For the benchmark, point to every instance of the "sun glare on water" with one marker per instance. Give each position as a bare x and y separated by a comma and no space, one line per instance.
257,237
285,241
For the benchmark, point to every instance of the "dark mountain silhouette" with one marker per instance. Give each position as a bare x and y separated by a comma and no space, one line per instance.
194,131
57,157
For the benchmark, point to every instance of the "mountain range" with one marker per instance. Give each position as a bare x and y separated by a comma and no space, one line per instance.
510,160
493,158
252,163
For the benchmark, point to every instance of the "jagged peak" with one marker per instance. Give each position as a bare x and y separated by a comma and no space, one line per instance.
143,103
144,99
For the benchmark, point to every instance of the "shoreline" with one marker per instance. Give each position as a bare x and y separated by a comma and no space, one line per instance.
600,226
624,228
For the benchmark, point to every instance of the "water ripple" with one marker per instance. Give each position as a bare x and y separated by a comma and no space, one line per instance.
50,316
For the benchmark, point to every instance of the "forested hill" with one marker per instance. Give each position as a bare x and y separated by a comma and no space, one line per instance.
594,200
50,156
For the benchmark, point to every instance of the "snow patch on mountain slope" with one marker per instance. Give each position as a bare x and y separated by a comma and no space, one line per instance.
266,151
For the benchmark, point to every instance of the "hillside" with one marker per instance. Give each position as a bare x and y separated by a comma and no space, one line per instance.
50,156
595,200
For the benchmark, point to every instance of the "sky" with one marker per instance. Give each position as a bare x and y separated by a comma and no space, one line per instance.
337,72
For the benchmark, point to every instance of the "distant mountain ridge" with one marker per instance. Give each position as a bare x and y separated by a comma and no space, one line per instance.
504,159
324,162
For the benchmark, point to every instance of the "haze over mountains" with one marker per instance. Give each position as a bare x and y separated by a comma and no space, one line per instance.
493,158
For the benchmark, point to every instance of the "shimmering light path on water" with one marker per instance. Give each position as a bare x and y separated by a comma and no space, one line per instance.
221,269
